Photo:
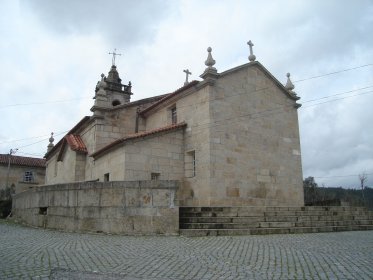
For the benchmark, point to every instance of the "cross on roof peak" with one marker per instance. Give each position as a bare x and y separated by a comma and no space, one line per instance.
252,57
114,53
187,72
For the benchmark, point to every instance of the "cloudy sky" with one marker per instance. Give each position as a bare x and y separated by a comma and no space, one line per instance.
53,52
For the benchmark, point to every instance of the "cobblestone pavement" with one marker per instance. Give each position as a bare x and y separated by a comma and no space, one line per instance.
29,253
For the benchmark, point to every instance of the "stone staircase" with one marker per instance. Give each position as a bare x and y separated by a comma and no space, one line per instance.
213,221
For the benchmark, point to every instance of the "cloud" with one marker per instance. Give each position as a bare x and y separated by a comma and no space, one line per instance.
120,22
334,139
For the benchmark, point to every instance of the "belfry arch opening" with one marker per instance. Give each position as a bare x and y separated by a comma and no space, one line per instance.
116,102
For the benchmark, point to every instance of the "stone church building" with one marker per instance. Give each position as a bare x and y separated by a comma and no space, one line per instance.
230,139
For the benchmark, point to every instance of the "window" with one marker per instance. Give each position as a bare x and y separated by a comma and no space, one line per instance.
43,210
116,102
190,164
28,176
155,176
173,115
106,177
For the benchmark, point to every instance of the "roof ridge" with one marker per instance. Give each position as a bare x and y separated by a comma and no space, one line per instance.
179,90
138,135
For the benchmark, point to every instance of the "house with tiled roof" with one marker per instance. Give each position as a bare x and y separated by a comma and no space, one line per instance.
231,138
21,173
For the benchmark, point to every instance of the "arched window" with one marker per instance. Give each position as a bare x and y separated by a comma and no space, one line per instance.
116,102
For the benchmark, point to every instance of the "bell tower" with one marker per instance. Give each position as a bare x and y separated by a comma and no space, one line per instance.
110,92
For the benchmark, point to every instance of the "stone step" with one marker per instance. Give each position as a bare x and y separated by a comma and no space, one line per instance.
261,231
219,226
195,221
271,209
313,213
221,219
220,214
182,213
254,225
271,219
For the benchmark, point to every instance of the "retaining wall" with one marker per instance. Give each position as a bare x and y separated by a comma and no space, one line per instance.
126,207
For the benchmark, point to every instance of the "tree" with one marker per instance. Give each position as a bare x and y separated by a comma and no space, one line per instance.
363,177
309,186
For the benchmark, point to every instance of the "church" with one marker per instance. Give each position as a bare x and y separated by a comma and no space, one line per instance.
229,139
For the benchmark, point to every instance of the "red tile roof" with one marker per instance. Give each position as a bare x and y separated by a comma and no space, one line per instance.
73,130
168,96
139,135
76,143
22,161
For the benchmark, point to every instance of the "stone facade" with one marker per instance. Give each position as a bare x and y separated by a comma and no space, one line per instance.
254,157
231,139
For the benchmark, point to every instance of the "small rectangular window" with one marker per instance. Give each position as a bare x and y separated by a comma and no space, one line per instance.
106,177
155,176
28,176
190,164
173,115
43,210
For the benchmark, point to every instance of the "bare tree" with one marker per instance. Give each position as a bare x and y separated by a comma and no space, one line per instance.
310,192
363,177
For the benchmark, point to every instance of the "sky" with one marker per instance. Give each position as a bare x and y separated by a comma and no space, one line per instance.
52,54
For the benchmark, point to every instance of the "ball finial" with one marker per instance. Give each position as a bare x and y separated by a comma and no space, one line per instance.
51,139
289,85
209,61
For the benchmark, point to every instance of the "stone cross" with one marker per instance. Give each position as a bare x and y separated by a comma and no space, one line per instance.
252,57
187,72
114,54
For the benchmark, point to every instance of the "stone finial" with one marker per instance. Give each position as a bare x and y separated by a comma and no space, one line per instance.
101,98
187,73
210,73
50,145
289,85
209,61
102,83
252,57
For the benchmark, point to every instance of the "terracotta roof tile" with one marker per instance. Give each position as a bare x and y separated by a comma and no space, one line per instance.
76,143
139,135
73,130
22,161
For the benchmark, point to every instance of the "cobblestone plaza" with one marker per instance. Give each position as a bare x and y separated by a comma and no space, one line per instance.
29,253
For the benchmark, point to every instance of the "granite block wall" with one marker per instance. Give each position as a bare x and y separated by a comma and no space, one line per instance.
121,207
